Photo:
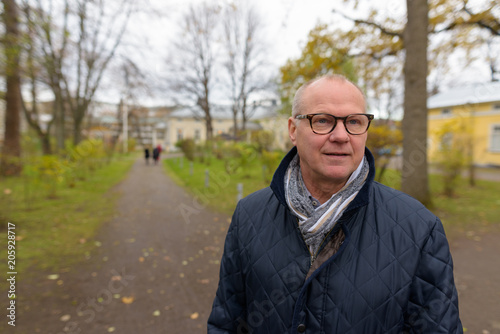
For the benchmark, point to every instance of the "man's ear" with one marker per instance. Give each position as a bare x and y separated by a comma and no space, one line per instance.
292,130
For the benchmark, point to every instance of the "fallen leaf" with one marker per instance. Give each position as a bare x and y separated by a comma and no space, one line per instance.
98,243
111,329
53,277
194,316
167,258
7,191
156,313
116,278
204,281
141,259
127,300
65,317
83,240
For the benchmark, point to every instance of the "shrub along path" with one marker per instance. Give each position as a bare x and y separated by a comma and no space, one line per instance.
155,270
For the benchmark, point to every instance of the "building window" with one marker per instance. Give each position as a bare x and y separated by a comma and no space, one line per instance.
496,106
179,134
446,111
197,134
495,138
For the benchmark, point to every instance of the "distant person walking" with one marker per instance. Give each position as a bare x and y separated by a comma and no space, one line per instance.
156,153
146,155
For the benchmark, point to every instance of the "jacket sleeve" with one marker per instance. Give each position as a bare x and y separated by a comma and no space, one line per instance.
229,304
433,300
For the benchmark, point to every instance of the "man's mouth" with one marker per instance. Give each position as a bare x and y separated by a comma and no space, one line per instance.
337,154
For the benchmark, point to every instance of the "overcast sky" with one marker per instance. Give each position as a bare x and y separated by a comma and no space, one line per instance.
288,23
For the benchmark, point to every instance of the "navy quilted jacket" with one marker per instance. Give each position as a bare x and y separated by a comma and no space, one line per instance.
392,274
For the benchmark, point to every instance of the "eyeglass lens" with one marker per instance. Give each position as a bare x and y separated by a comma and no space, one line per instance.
355,124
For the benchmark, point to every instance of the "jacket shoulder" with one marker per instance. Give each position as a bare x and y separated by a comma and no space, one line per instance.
401,206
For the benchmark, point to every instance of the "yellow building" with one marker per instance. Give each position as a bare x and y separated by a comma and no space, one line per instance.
471,113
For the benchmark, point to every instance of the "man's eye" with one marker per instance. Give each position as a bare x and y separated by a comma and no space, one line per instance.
322,120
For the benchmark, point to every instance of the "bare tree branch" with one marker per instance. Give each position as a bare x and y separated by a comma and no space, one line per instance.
381,28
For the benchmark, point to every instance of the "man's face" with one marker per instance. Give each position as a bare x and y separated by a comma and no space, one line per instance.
328,160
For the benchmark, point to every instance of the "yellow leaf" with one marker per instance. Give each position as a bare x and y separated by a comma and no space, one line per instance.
156,313
127,300
194,316
141,259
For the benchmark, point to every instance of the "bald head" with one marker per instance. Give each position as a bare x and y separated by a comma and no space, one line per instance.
298,106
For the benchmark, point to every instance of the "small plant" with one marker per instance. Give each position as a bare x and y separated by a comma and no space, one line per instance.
270,161
188,147
452,157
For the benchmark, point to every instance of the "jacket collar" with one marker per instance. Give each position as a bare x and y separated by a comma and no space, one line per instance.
278,184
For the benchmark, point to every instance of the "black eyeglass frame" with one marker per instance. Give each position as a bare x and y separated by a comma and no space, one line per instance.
310,116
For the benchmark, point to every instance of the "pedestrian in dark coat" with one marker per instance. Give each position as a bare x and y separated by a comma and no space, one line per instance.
156,153
325,248
146,155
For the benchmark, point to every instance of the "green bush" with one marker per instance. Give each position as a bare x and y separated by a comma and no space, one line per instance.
188,147
270,161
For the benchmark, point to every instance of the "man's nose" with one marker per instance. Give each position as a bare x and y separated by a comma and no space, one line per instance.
339,133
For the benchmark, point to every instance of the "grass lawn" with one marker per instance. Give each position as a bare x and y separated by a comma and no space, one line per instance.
54,233
471,209
222,191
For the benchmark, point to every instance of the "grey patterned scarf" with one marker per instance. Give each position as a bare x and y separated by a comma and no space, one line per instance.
316,223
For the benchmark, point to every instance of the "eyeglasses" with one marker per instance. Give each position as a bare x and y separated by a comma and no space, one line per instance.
322,124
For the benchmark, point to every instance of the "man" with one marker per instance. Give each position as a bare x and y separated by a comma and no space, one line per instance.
325,249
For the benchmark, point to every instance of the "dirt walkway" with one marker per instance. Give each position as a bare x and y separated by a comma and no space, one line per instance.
476,258
156,270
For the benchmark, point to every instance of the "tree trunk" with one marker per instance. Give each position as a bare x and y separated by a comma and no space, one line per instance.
11,153
414,175
209,126
60,123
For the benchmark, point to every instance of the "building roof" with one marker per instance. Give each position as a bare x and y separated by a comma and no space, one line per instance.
470,94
